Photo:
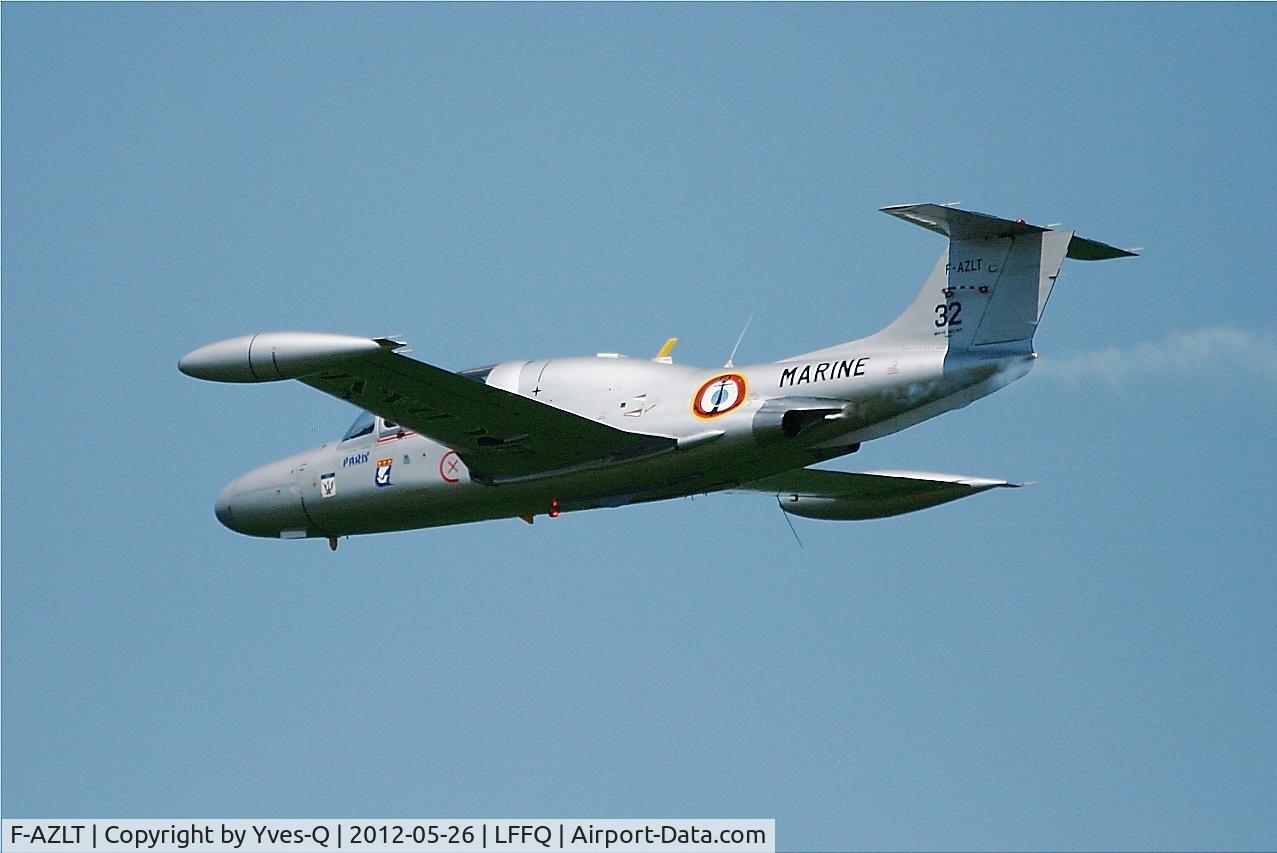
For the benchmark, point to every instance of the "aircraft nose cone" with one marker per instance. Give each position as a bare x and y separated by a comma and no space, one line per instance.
264,502
222,507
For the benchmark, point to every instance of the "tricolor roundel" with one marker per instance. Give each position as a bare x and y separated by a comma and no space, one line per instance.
719,395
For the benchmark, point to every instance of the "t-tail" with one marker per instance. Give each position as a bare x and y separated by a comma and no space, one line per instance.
987,292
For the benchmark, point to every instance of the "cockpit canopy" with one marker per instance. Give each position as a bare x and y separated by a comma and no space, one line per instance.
362,426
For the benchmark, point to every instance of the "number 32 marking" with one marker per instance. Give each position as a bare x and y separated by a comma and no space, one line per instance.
948,314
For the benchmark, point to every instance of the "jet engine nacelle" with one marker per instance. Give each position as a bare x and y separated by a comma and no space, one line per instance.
789,417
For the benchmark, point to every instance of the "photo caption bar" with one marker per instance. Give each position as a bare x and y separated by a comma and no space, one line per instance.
204,835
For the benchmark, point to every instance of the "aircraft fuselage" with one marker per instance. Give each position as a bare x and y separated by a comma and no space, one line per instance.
528,438
394,479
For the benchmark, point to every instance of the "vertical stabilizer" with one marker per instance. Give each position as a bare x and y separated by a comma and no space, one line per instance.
987,292
990,286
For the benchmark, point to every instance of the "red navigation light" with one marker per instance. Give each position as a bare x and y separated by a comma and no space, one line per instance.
554,508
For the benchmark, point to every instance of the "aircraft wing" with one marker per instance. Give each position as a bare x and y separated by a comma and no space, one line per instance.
501,436
845,496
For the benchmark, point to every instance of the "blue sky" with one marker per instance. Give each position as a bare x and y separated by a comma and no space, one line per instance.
1088,663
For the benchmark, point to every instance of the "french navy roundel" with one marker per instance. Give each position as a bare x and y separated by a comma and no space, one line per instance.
719,395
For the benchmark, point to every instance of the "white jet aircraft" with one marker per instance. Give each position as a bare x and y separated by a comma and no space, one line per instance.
524,438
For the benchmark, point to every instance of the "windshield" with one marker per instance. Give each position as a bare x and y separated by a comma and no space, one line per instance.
477,374
361,426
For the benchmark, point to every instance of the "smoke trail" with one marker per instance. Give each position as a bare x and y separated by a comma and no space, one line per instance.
1214,350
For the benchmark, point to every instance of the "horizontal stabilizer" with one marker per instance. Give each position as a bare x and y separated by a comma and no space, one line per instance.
1081,249
960,224
846,496
969,225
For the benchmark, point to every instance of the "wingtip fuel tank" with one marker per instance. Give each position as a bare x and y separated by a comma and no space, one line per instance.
272,356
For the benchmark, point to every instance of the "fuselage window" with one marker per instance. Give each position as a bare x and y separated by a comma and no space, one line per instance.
361,426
